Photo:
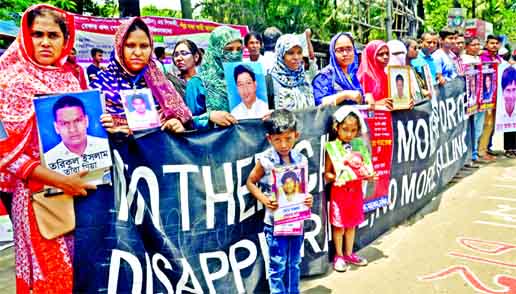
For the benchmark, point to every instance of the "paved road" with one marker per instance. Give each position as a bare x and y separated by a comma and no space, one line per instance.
463,242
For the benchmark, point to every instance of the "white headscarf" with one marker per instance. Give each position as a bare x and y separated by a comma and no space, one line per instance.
396,46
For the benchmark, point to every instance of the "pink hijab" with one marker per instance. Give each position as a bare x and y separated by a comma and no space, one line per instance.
371,73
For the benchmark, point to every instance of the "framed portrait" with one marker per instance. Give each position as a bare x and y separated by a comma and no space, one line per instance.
428,80
488,85
70,134
247,89
472,88
399,86
140,109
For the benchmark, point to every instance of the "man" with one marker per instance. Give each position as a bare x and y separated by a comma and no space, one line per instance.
400,87
490,54
71,124
142,117
444,58
76,69
513,58
428,46
270,37
509,98
476,121
251,106
160,56
94,68
460,44
458,50
253,42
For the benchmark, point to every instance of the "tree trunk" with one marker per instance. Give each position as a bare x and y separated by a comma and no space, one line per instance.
129,8
186,9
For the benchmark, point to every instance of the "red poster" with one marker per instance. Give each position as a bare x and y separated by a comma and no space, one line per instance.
379,123
488,83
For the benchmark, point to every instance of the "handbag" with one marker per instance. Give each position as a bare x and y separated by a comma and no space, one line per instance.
55,215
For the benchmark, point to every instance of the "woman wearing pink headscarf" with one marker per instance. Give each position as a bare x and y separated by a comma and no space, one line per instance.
371,72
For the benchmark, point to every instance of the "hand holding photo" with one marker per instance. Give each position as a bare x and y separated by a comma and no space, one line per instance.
73,140
246,89
351,161
399,86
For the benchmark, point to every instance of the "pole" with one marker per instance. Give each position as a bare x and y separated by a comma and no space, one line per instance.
388,20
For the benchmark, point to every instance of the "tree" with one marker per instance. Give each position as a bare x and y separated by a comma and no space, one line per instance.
152,10
12,9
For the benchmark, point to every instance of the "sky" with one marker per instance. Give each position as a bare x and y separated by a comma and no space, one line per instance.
170,4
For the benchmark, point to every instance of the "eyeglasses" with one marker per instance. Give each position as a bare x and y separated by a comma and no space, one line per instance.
182,53
341,50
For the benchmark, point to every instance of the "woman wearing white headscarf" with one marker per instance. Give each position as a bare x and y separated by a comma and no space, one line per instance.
291,90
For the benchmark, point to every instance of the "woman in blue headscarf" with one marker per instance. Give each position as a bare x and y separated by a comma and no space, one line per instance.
337,83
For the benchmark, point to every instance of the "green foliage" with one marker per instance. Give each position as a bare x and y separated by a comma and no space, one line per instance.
152,10
500,13
324,17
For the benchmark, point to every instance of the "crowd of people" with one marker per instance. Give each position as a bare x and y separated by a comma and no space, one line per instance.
193,96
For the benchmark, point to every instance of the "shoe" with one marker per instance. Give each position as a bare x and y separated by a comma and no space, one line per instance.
510,154
495,153
480,161
339,264
355,259
471,165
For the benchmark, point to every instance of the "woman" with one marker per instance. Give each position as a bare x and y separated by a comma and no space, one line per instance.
33,64
411,46
397,53
131,67
371,72
337,83
206,93
291,90
186,57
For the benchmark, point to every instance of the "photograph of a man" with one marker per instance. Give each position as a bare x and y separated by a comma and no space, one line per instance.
141,114
251,106
400,87
71,136
71,124
509,93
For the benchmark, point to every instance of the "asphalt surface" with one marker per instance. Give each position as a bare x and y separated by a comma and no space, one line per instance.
464,241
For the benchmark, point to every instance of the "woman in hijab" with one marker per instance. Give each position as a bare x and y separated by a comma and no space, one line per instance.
131,67
397,53
371,72
206,93
32,65
291,90
337,83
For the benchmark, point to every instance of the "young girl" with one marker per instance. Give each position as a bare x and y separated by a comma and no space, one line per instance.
346,198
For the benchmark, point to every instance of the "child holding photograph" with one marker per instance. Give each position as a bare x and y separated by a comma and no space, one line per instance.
284,251
346,198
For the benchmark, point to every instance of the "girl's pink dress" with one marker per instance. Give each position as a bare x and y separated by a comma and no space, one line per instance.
347,205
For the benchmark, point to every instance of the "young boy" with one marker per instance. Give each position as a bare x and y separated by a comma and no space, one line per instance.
284,251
